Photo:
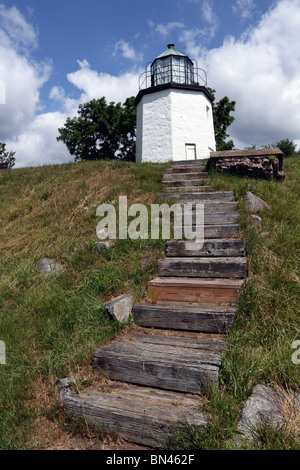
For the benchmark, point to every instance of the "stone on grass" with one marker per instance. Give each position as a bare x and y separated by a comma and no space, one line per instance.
255,220
101,246
254,203
49,267
120,308
270,406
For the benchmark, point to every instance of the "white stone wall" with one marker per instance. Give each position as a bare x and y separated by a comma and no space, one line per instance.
154,133
169,119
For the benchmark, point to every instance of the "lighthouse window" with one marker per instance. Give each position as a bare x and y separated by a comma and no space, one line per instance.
208,112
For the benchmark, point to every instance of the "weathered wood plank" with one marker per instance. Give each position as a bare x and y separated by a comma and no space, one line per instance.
212,248
135,418
210,206
169,177
217,347
220,231
184,189
213,218
221,196
185,170
170,368
185,317
232,268
146,349
184,183
202,291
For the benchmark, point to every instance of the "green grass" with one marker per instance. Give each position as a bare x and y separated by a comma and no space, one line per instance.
51,326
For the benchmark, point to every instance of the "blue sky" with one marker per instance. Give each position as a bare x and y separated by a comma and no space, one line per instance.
55,55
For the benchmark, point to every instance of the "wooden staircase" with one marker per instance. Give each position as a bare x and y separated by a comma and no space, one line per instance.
159,373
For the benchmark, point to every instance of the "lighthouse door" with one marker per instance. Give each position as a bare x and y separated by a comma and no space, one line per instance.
190,151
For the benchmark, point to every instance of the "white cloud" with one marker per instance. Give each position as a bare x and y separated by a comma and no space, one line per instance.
244,8
95,85
22,77
15,29
127,51
37,144
210,17
261,72
165,29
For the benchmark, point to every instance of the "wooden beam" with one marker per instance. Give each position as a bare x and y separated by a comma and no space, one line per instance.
230,268
202,291
184,317
213,248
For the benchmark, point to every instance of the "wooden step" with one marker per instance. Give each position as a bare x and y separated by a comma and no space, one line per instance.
210,206
193,290
220,196
180,367
184,317
220,268
170,177
220,231
184,184
183,170
214,218
214,247
141,415
184,189
189,163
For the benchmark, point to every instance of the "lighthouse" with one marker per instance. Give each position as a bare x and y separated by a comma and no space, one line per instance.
174,111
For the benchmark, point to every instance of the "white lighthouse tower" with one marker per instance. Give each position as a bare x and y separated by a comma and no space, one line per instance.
174,111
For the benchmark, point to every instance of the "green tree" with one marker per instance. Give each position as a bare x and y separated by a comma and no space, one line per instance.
6,158
222,120
101,131
288,147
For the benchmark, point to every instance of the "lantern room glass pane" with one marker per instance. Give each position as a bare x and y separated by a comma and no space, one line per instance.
172,69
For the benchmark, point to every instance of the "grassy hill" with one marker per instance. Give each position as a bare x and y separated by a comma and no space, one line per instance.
51,326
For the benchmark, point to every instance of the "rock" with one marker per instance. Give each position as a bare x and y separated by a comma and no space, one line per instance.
100,246
280,176
255,220
268,405
120,308
254,203
49,267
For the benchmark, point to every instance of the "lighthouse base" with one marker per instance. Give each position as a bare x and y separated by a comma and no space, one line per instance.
173,125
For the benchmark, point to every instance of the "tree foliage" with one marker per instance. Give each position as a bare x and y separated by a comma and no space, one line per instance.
222,120
101,131
288,147
6,157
